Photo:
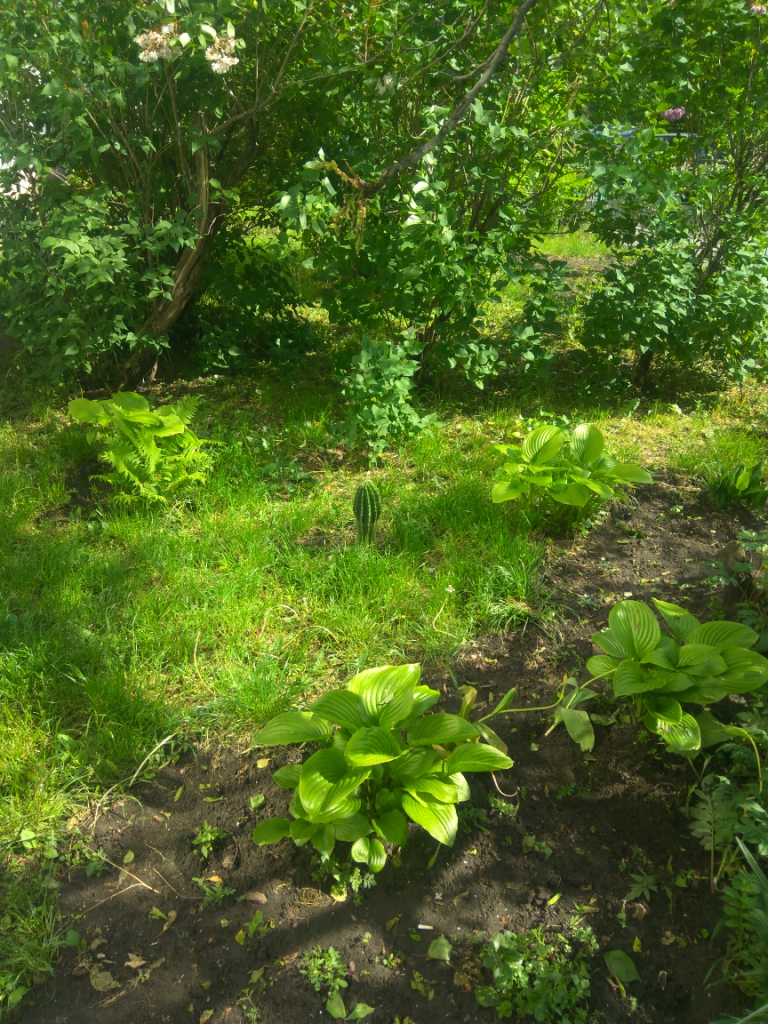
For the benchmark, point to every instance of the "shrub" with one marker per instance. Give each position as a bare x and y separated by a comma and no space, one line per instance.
367,778
153,452
583,476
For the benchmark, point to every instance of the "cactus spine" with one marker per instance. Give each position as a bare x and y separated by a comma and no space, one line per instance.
367,509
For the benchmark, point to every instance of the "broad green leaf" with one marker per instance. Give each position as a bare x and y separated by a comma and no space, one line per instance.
543,444
706,691
387,799
579,727
324,840
392,826
129,401
350,829
723,634
287,777
440,820
630,474
335,1006
369,851
621,966
666,655
629,678
505,490
462,786
85,411
477,757
666,709
319,773
586,444
413,764
491,737
683,737
430,787
440,949
378,686
602,665
271,830
572,494
711,730
303,830
423,699
332,812
360,1011
635,627
700,660
293,727
487,995
440,728
342,707
610,643
680,621
372,745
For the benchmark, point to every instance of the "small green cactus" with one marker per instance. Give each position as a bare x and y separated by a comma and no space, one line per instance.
367,509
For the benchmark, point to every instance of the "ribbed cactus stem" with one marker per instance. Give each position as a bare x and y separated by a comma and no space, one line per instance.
367,509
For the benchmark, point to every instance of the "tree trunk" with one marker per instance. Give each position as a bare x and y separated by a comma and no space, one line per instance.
642,366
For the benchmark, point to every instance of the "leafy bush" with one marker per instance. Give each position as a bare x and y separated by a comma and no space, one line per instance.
536,977
740,484
153,452
696,664
367,779
746,915
582,476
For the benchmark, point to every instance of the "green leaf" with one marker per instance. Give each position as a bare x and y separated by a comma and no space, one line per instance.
335,1006
720,635
440,728
477,757
505,490
342,707
629,678
573,494
372,745
602,665
610,643
432,787
369,851
423,699
683,737
579,727
287,777
324,839
586,444
635,627
666,709
293,727
440,820
746,670
303,830
487,996
711,730
440,949
680,621
392,826
543,444
348,830
378,687
413,764
271,830
627,473
621,966
491,737
326,780
360,1011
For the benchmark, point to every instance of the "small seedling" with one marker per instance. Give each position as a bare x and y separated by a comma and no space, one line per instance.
644,885
471,819
214,891
420,984
335,1007
254,927
502,807
324,968
346,878
207,838
531,843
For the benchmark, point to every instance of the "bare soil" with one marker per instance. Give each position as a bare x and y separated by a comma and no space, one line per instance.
604,816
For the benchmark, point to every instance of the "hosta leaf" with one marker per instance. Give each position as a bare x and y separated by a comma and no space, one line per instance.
610,643
666,709
413,764
711,730
668,682
505,490
303,830
399,708
491,737
665,655
429,788
423,699
318,774
572,494
372,745
744,668
477,757
378,686
629,678
293,727
621,966
628,473
543,444
288,777
723,634
579,727
324,840
680,621
369,851
706,692
602,665
440,728
392,826
683,737
348,830
635,627
586,444
333,812
342,707
271,830
462,786
440,820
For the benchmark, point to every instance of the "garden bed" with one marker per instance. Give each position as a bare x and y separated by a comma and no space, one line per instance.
596,818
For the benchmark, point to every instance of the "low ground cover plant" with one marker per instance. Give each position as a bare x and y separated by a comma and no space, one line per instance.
153,452
740,484
581,476
381,761
546,977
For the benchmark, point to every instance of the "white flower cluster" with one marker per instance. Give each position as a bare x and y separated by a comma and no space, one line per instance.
154,46
221,54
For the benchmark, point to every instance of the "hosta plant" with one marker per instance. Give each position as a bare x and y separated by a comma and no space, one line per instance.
153,452
728,487
571,470
691,664
380,761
